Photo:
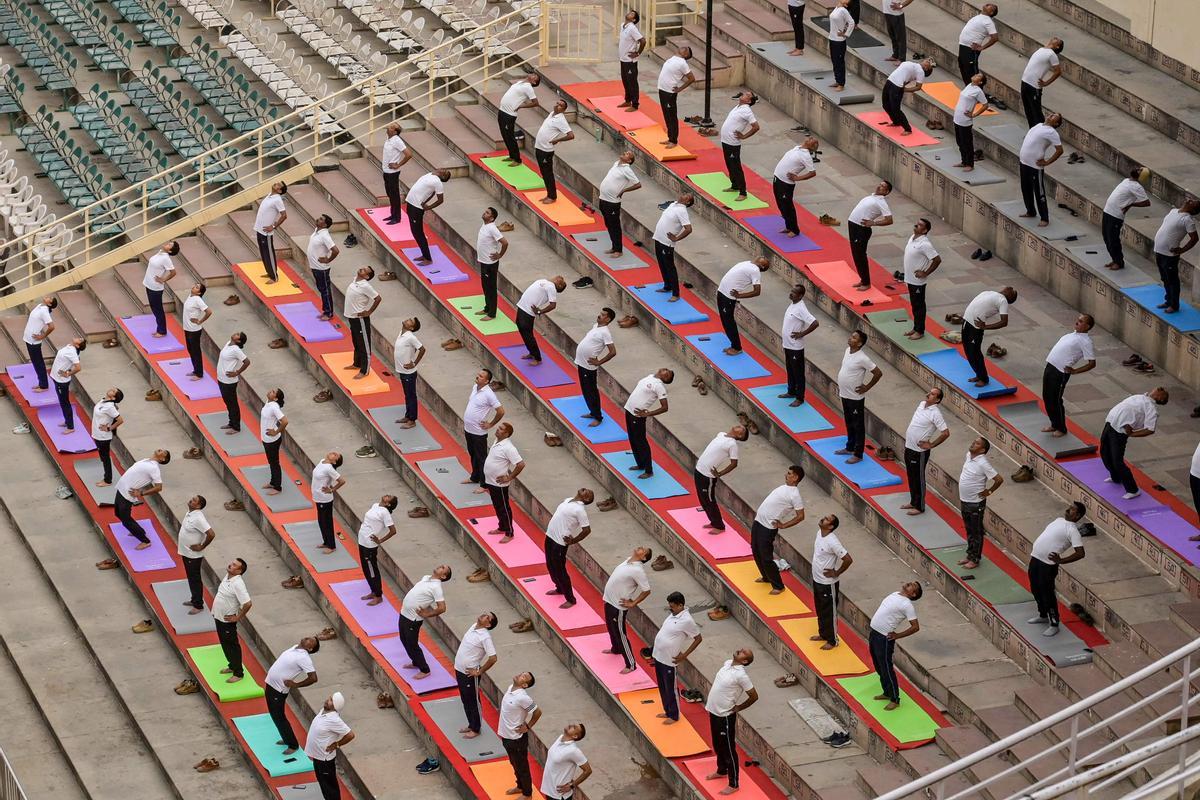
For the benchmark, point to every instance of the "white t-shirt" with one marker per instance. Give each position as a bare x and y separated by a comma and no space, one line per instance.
375,522
969,98
594,344
619,178
1137,411
1040,63
919,252
104,413
893,612
192,530
268,211
66,358
327,727
320,245
671,221
426,186
360,294
552,127
796,319
893,8
739,120
988,306
193,308
672,73
393,151
840,20
1176,226
563,760
39,318
871,207
475,648
516,707
324,476
268,419
797,161
783,503
1060,536
158,265
627,581
230,360
906,73
480,405
927,421
487,243
855,371
570,518
976,473
647,395
1070,350
741,277
676,633
517,95
425,593
1126,193
500,460
540,293
293,664
827,554
628,42
1040,139
405,352
230,597
140,475
720,451
730,686
977,30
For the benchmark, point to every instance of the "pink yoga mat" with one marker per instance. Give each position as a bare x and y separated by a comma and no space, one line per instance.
303,317
544,374
177,370
397,233
80,441
142,328
842,277
879,121
26,380
375,620
629,120
727,544
520,552
608,667
581,615
439,677
153,557
440,270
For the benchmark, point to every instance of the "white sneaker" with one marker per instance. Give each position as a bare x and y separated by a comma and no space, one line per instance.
1051,630
1131,495
1036,621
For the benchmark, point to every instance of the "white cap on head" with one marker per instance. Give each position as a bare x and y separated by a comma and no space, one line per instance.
339,702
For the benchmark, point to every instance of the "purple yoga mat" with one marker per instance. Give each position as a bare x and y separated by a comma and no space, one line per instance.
1171,529
769,227
142,329
375,620
439,677
80,441
153,557
442,270
303,319
1092,472
544,374
179,369
25,379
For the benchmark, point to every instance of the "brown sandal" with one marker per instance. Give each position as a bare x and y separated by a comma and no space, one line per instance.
480,575
452,344
419,512
326,634
277,344
153,395
388,276
294,582
552,440
145,626
497,386
192,453
719,613
607,504
187,686
108,563
384,700
521,626
662,564
232,300
208,765
784,681
110,344
628,321
702,388
323,396
234,505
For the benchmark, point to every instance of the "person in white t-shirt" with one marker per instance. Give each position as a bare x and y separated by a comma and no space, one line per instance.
887,626
841,25
794,166
476,654
566,765
796,15
1129,193
1060,543
798,322
231,604
1073,354
906,78
376,528
781,509
677,638
159,270
518,713
38,326
893,17
195,535
630,44
231,363
361,301
871,212
142,479
1034,157
195,313
973,491
718,459
395,155
283,676
620,180
271,424
1194,483
520,95
501,467
63,370
426,194
829,562
569,525
1042,70
739,125
1175,236
327,734
326,481
595,349
673,226
921,259
408,352
626,588
648,399
987,312
539,299
271,214
321,252
732,692
554,131
675,76
483,411
977,35
926,430
857,376
741,282
972,101
490,247
425,600
106,418
1134,417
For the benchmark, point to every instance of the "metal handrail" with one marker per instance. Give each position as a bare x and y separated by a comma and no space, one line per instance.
10,786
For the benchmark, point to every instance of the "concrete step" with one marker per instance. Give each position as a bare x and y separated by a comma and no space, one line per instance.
694,35
961,741
93,323
111,294
766,23
365,177
455,132
1186,617
337,180
129,276
203,262
64,332
1160,640
482,122
431,151
879,779
1121,659
780,8
305,203
227,244
10,352
1002,721
925,760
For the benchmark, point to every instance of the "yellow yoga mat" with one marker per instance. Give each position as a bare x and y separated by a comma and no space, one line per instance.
742,574
650,139
257,275
562,211
338,362
946,93
673,741
841,660
496,778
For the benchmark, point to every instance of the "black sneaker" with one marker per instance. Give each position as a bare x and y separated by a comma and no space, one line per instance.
665,204
583,282
429,766
839,740
350,241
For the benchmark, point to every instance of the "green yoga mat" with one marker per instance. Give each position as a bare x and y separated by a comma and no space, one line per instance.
715,184
895,323
518,176
992,583
261,735
908,723
210,661
467,306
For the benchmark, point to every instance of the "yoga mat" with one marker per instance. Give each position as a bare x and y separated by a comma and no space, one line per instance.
856,92
440,270
1064,649
945,158
416,439
778,54
770,228
1094,256
739,367
25,380
743,575
841,660
909,723
374,620
701,768
209,661
659,485
895,323
929,530
607,667
804,418
142,328
990,582
724,544
77,441
260,734
447,477
1029,420
496,778
290,499
1186,319
866,474
673,741
681,312
597,243
1091,472
177,371
396,233
572,408
580,615
393,651
880,122
243,443
300,791
650,139
1170,529
1010,134
153,558
543,375
450,718
469,304
254,273
946,93
858,38
90,471
562,212
307,536
517,176
171,596
715,184
624,118
952,366
337,363
841,278
520,552
1062,224
303,318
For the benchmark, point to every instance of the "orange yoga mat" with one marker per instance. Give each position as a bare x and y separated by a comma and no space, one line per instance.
338,363
946,93
562,212
256,274
650,139
742,574
673,741
496,778
626,118
841,660
841,278
880,122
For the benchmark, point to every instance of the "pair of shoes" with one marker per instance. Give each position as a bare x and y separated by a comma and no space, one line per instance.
838,740
1087,529
627,321
388,276
952,337
277,344
1146,368
418,512
64,492
350,241
784,681
145,626
955,319
480,575
607,504
1075,158
719,613
898,275
1083,614
497,386
110,344
886,454
366,451
521,626
326,634
232,300
702,388
583,283
750,425
1133,360
24,427
429,766
647,652
192,453
996,351
978,252
153,395
552,439
207,765
294,582
234,505
935,125
384,700
661,564
826,219
323,396
187,686
1023,475
691,696
451,345
108,563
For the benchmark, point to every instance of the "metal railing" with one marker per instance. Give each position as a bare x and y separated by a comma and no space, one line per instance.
10,787
660,18
1091,768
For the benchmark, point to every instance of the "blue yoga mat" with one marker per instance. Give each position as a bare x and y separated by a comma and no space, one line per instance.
572,407
1187,318
261,734
866,474
738,367
801,419
658,486
951,365
677,313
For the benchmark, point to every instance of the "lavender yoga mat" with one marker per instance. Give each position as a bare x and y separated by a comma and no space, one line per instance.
25,380
442,270
439,677
375,620
1171,529
544,374
769,227
79,441
303,319
153,557
178,369
142,328
1092,473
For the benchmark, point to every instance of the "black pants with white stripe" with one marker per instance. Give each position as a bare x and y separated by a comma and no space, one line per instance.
502,506
706,493
762,547
63,390
591,392
369,556
477,452
1033,192
545,162
327,778
525,322
191,568
124,511
1031,101
192,339
733,166
416,223
468,692
882,650
639,444
1110,230
724,744
1041,586
826,596
410,638
915,463
232,408
38,362
1112,455
668,695
231,646
618,638
893,104
266,253
793,360
360,335
612,223
629,82
104,452
325,524
1054,385
972,342
556,565
518,757
727,310
277,708
854,412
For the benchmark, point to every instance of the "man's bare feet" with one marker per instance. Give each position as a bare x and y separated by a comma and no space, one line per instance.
853,459
881,697
566,604
142,546
102,483
158,335
359,376
40,389
374,601
1058,434
828,646
837,87
795,52
627,670
775,591
728,790
906,133
470,734
671,145
915,512
891,706
968,169
1113,266
1027,216
423,262
480,490
405,424
194,611
731,351
790,234
1042,223
196,378
351,366
548,200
